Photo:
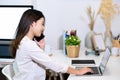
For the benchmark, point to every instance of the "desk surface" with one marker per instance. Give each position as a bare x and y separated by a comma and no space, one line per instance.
112,71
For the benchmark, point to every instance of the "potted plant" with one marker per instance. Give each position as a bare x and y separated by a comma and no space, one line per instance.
72,43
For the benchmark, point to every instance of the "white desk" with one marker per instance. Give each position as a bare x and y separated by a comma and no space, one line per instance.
112,71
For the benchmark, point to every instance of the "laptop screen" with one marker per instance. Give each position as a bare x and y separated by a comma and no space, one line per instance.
105,59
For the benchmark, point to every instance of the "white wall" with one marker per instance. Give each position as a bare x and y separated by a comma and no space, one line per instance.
69,14
16,2
66,15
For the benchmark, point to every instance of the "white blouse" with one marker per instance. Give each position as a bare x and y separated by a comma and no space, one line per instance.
31,61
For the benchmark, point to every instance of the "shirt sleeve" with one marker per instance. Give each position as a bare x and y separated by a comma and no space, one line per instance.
41,58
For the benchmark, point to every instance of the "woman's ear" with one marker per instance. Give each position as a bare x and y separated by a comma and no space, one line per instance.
33,24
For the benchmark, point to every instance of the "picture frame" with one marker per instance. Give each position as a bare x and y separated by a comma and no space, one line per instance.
98,42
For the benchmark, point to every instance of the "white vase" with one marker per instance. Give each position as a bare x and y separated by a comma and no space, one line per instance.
88,40
108,39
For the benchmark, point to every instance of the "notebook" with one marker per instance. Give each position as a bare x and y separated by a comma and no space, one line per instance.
82,62
99,70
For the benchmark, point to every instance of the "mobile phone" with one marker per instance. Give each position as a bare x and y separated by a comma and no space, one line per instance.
40,37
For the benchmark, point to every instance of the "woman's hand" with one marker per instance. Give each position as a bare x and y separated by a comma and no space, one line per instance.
84,70
79,71
41,43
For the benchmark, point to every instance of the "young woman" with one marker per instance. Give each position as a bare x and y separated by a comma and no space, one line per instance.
31,61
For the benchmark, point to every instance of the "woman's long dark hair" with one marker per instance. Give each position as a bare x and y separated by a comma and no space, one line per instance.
27,19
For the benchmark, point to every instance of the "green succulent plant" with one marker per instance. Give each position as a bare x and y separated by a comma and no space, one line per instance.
72,40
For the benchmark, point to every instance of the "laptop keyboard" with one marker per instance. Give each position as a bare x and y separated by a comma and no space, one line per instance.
95,70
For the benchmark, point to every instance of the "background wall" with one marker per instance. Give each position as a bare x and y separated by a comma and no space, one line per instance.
66,15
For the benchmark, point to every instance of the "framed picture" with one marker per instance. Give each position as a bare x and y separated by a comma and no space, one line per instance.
98,42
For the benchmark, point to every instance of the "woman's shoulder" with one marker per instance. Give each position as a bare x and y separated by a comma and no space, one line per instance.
28,44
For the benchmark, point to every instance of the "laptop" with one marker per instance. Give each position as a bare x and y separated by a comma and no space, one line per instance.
99,70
